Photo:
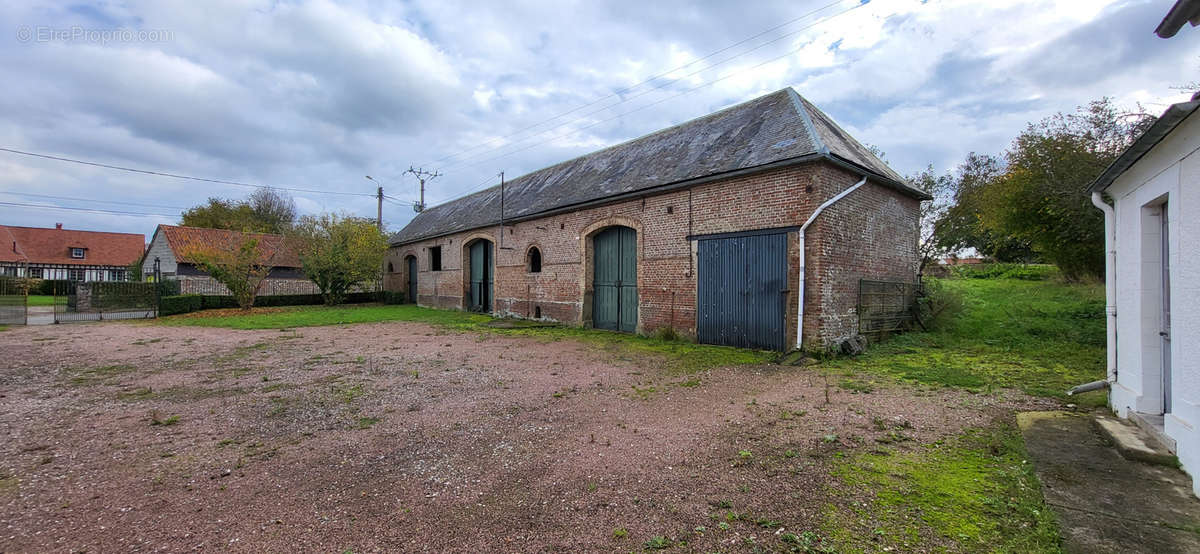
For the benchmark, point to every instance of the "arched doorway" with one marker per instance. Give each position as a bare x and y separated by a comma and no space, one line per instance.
410,264
481,271
614,279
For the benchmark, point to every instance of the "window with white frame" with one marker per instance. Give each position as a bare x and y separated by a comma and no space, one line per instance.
76,274
77,253
116,275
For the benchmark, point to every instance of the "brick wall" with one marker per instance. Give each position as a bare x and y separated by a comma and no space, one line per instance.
874,235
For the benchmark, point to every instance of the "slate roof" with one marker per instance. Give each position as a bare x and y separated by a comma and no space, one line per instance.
781,127
41,245
186,240
1159,130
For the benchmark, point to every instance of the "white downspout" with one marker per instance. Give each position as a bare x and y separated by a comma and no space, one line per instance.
800,295
1110,280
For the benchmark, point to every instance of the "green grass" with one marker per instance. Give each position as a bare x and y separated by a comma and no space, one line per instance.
40,300
312,316
973,493
682,356
1041,337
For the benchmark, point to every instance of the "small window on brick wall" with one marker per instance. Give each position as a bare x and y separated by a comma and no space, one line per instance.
435,258
535,260
390,270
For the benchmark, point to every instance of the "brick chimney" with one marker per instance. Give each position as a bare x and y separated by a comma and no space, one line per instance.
58,226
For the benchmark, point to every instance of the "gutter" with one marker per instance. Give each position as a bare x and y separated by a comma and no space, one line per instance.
811,218
1110,280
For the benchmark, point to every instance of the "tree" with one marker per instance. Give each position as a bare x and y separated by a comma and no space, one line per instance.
933,213
242,269
961,227
266,210
1039,197
338,253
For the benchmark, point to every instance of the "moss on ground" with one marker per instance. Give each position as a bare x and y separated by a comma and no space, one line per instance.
973,493
1041,337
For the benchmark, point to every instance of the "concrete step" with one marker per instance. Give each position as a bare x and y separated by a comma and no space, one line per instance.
1133,442
1153,425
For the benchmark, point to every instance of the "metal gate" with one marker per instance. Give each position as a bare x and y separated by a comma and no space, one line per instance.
742,290
614,280
482,279
13,302
886,307
104,300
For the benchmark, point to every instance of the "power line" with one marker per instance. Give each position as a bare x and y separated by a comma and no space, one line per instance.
682,93
90,200
623,114
651,79
177,176
91,210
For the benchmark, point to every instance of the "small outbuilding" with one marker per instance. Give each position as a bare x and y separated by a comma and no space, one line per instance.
174,249
1153,281
751,226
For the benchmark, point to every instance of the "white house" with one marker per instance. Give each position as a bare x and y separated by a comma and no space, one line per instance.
1152,232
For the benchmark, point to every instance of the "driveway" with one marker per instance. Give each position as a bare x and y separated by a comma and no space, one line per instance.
403,436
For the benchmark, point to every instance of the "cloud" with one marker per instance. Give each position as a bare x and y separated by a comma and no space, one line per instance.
316,94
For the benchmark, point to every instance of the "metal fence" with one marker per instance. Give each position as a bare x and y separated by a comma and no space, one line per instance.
105,300
886,307
13,302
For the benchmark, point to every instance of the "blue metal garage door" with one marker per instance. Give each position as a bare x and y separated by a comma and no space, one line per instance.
742,288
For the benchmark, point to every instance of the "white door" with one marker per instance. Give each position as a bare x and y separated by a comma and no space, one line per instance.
1165,333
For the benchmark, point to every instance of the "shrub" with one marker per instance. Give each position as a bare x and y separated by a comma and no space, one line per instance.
168,288
180,304
1004,271
939,305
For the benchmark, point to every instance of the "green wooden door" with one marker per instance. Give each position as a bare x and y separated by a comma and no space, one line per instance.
411,261
482,279
614,283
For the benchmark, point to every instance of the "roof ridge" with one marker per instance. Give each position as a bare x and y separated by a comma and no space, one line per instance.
798,103
622,143
73,230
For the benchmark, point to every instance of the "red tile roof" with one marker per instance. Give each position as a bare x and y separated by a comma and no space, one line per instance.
185,240
53,246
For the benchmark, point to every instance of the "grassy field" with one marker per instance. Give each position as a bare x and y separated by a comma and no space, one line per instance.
1041,337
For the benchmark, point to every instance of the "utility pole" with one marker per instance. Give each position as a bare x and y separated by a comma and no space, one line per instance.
422,175
379,209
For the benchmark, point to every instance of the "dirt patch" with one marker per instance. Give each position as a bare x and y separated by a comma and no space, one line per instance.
401,436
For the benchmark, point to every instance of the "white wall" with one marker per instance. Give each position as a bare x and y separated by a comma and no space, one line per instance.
1170,172
162,250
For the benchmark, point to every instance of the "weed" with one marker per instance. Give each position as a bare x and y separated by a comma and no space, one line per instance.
620,533
591,487
155,419
367,422
658,543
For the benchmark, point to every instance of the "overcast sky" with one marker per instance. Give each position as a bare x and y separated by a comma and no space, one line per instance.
315,95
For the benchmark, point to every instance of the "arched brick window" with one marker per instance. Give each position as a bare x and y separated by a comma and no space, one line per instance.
535,260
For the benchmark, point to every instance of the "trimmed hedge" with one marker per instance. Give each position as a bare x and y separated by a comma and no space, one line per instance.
185,303
181,304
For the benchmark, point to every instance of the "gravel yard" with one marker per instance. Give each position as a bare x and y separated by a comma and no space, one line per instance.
408,437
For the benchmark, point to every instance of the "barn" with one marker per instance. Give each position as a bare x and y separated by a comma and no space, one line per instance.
751,226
